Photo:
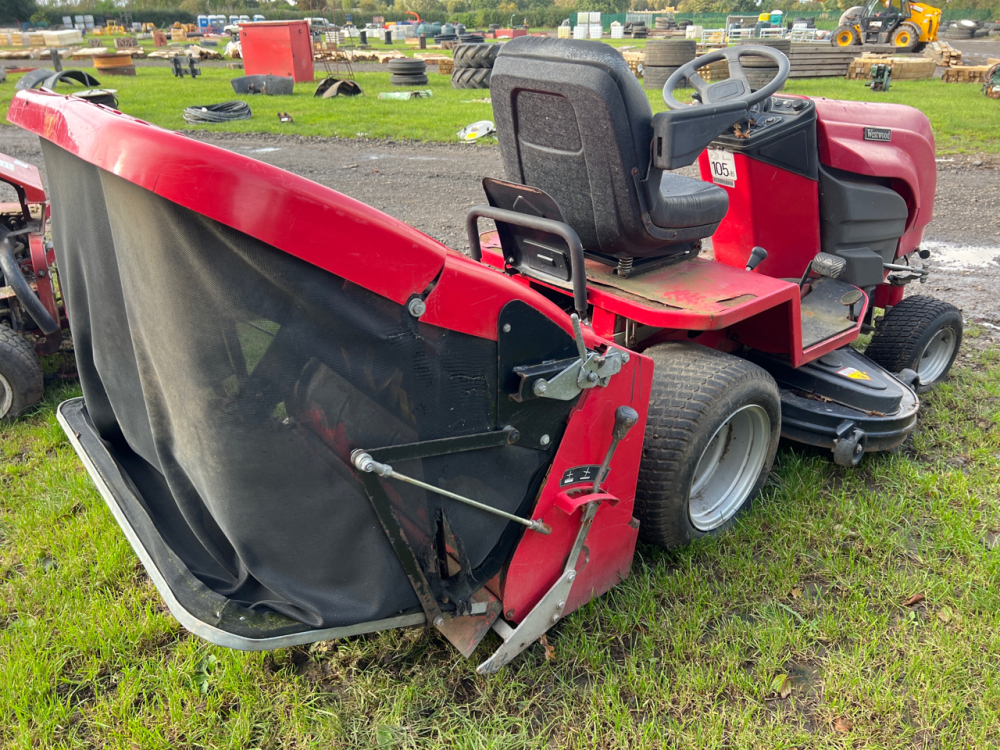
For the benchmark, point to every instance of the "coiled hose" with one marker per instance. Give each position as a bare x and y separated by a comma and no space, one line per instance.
13,278
225,112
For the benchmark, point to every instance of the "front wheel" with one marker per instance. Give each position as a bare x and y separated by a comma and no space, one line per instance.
905,37
711,437
920,333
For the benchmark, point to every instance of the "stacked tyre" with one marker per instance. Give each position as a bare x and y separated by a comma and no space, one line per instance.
639,30
665,23
961,30
760,70
405,71
663,57
473,65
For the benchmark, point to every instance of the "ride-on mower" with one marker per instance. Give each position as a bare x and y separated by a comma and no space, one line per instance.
308,433
29,302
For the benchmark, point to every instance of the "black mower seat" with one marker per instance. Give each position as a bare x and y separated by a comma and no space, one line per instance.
682,202
574,122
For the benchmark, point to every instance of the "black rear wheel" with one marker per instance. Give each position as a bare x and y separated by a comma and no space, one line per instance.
21,377
922,334
711,437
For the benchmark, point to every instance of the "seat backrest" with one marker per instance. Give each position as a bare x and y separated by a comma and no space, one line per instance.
573,121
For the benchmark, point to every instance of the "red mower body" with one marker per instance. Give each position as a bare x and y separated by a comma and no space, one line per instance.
779,210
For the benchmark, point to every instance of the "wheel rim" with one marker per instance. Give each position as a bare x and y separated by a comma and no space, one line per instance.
936,356
729,467
6,396
903,39
844,39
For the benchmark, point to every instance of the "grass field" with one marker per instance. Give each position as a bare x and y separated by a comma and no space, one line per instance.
803,627
963,119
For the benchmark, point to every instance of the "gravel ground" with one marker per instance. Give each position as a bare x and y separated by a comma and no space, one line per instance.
431,186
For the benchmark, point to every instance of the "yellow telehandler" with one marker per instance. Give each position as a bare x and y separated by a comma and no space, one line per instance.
902,25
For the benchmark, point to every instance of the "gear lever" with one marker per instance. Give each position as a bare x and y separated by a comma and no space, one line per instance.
757,256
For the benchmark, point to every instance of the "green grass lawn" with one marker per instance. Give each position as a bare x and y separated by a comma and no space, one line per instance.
806,598
963,119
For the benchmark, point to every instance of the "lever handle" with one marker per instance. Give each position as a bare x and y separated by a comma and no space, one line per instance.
757,255
625,419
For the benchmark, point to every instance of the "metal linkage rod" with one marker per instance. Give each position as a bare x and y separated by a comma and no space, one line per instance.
364,462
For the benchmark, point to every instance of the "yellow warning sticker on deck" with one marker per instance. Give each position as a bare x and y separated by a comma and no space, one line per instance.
850,372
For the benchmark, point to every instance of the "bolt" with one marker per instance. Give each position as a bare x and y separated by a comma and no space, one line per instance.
591,377
555,617
545,440
858,448
513,437
510,261
417,307
572,575
438,621
506,327
625,357
540,387
562,606
510,614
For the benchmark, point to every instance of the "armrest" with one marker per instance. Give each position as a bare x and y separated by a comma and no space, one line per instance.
681,134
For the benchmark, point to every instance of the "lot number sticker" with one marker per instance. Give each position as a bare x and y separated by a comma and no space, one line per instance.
723,167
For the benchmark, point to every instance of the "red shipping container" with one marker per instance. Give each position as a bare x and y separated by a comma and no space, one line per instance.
278,48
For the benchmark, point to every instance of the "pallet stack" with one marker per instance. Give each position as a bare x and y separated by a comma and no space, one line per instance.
819,60
634,58
965,74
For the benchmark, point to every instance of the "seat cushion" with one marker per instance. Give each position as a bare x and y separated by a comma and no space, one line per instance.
682,202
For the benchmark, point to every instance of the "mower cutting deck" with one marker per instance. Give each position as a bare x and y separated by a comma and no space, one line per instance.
307,435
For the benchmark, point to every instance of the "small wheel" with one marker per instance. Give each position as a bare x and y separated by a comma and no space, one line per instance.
21,379
845,36
849,450
920,333
711,437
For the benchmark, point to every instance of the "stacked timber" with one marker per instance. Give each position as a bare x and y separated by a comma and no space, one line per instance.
965,74
903,68
943,54
819,60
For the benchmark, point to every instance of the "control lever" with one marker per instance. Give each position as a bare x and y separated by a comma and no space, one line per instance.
625,419
551,607
757,255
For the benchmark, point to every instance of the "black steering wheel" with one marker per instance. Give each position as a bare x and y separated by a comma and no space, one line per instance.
734,88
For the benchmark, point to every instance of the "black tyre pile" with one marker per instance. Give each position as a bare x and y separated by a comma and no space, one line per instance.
760,71
471,38
639,30
405,71
962,30
663,57
665,23
473,65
